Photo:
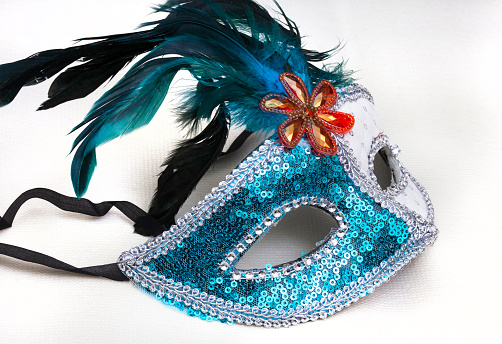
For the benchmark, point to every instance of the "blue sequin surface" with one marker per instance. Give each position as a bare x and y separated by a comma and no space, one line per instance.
373,235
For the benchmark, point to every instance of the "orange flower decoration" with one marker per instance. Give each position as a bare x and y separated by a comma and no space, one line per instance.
308,114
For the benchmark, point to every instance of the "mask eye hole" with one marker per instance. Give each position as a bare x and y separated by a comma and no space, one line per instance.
299,233
386,168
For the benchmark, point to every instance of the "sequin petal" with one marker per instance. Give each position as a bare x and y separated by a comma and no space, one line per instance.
340,122
324,95
320,138
278,103
294,86
291,131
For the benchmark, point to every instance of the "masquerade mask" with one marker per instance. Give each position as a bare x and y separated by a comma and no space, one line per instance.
327,151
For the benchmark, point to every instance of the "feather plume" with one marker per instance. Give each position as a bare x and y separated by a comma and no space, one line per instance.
234,49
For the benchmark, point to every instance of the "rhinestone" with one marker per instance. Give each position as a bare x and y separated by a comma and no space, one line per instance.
224,266
249,275
231,257
343,121
274,273
241,248
395,150
322,137
236,276
281,103
296,86
258,230
325,96
293,129
277,213
267,221
249,239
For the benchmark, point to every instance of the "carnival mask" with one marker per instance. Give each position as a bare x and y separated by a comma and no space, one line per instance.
327,150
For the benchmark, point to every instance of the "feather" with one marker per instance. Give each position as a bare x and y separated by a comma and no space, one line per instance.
129,105
32,70
79,81
82,168
104,60
186,165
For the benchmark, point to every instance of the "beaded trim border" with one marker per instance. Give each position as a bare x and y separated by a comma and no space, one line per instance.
351,93
235,312
398,186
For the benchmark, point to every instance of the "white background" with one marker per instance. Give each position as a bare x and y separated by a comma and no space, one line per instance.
434,69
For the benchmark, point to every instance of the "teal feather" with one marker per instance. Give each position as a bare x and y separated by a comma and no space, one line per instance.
227,69
129,105
82,169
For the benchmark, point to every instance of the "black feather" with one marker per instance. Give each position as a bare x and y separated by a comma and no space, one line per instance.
32,70
79,81
185,166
